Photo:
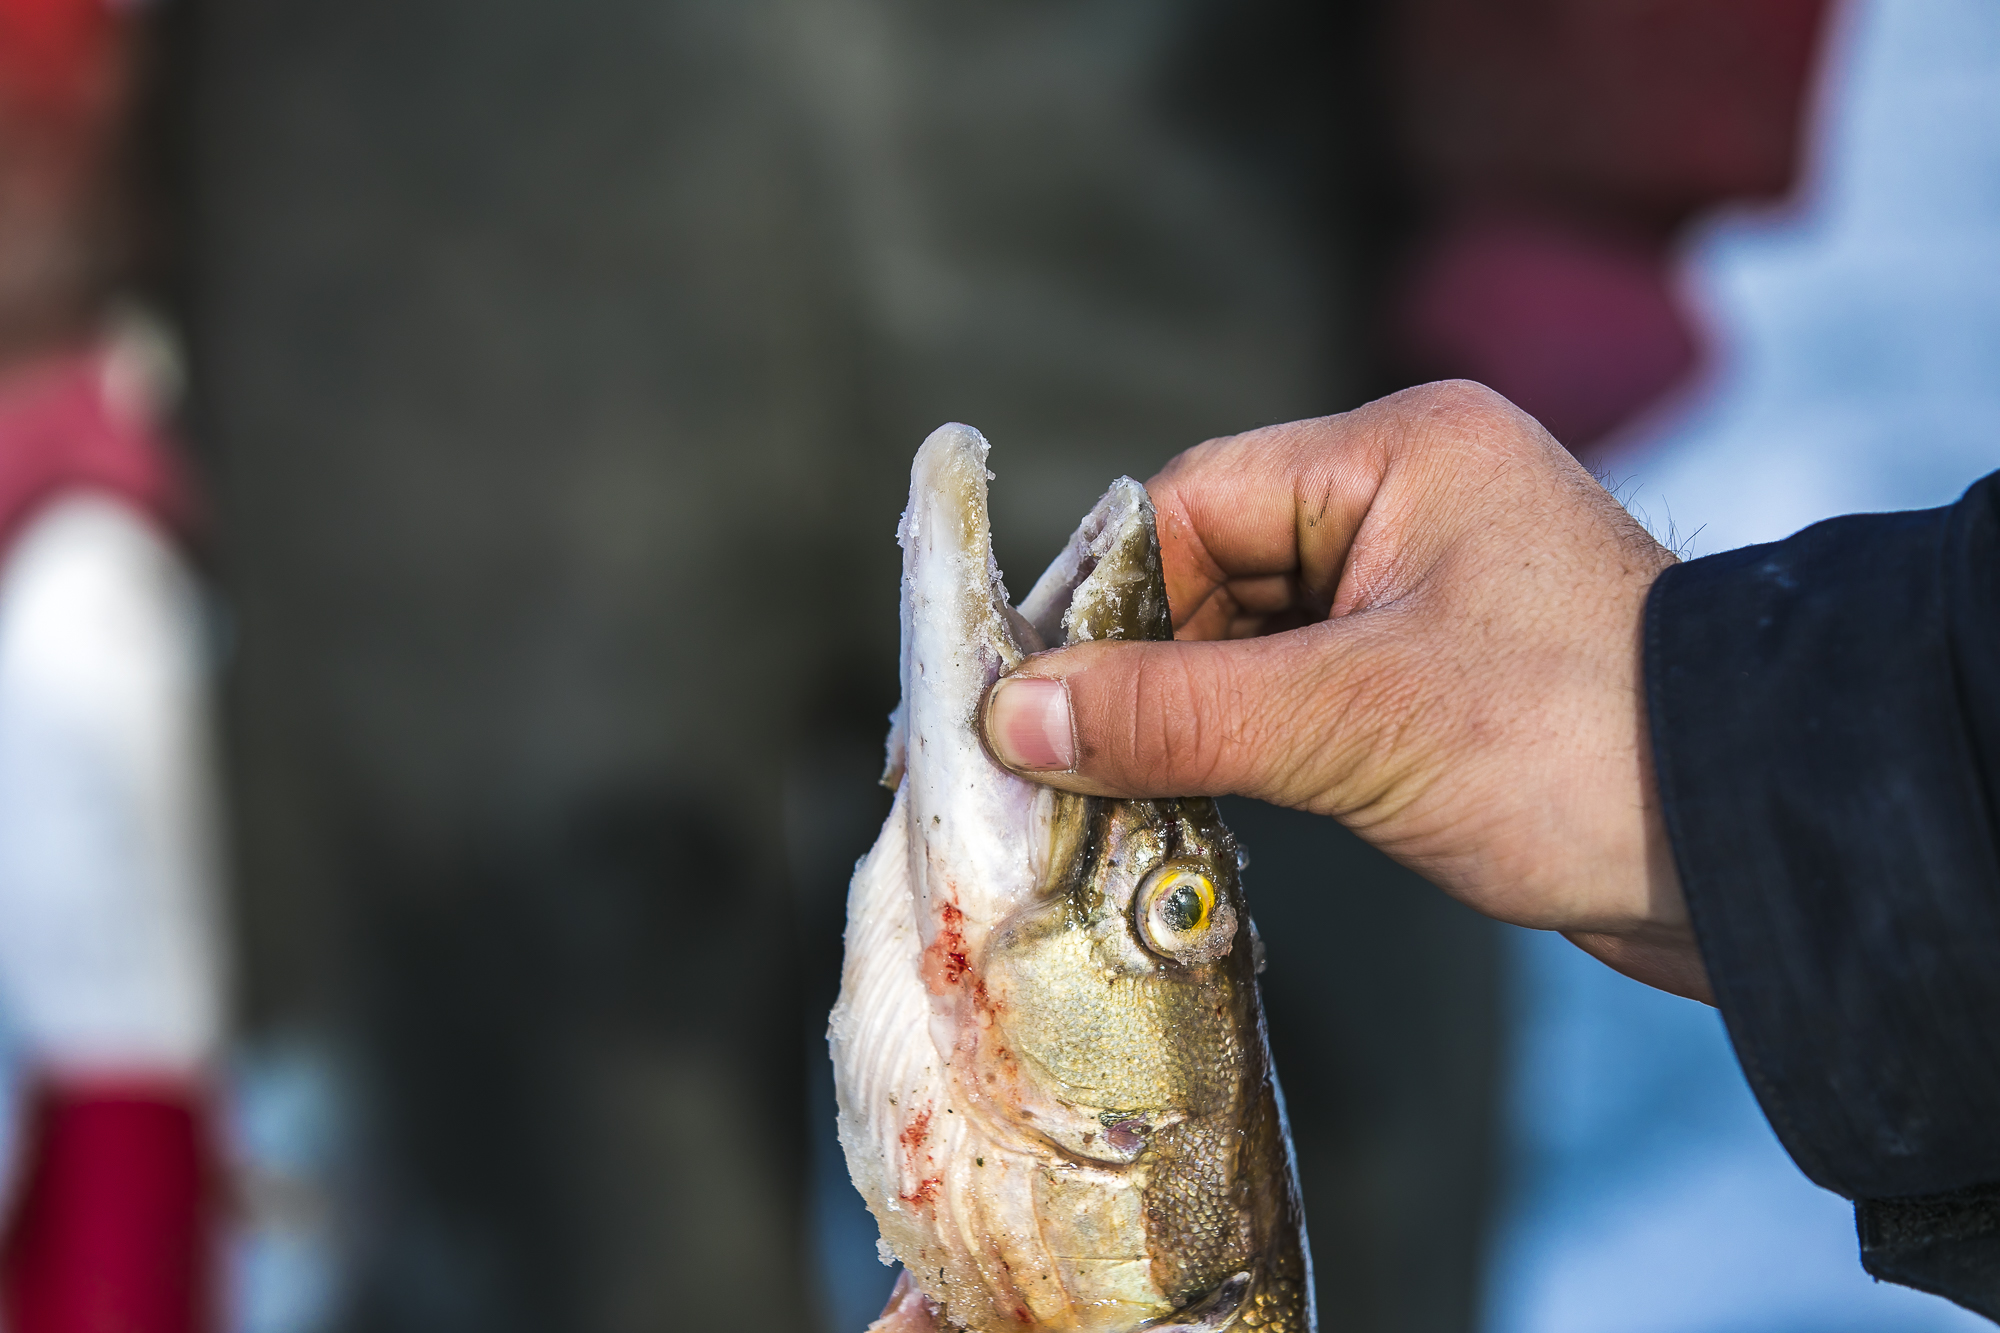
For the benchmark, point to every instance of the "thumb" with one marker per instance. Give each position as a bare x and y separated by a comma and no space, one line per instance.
1249,717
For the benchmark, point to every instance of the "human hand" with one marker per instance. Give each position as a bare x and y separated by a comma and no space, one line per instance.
1421,618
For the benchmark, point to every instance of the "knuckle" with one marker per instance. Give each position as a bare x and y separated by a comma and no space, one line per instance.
1458,421
1462,398
1466,407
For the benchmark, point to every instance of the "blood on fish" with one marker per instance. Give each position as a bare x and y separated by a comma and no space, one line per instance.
945,961
913,1137
917,1130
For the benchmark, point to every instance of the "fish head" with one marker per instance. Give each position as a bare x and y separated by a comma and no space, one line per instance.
1119,993
1055,1089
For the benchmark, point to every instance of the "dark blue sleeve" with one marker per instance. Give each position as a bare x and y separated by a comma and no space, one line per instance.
1826,727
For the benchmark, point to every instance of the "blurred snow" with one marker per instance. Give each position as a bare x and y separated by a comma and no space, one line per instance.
1858,339
1858,351
287,1128
1650,1196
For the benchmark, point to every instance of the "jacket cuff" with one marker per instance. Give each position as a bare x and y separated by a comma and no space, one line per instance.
1817,707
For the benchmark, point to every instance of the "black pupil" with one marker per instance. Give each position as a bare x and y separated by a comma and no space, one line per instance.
1182,909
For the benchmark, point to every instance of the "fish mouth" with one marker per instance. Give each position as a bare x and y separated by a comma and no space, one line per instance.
1211,1314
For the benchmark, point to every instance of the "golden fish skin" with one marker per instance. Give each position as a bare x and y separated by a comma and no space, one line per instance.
1055,1090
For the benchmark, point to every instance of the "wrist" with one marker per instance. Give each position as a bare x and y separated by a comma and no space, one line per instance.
1646,932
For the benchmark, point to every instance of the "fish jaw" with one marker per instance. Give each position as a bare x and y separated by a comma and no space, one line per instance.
1105,584
931,1113
970,819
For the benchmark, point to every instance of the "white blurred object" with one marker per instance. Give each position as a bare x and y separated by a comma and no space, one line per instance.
110,957
1860,346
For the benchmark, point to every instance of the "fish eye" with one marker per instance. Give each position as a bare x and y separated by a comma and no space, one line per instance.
1179,914
1185,907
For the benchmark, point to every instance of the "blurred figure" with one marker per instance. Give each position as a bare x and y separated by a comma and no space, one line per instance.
514,342
110,956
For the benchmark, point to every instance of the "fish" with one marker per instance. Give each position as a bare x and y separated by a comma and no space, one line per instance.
1054,1082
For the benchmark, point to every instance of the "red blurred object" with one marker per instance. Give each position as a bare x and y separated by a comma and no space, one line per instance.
1654,109
56,56
111,1230
1577,326
1562,145
111,1227
62,428
66,77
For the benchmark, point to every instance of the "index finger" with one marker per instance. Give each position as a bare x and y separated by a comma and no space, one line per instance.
1255,528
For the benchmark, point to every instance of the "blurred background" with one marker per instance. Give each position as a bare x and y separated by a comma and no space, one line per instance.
449,462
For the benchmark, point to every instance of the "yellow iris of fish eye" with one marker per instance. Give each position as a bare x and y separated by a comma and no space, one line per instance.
1176,909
